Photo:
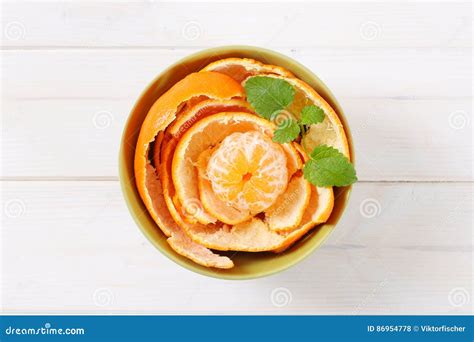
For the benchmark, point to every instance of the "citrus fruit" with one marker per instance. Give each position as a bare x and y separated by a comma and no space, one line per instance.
211,176
177,239
318,211
192,208
288,210
248,171
211,203
207,132
195,86
163,112
329,132
241,68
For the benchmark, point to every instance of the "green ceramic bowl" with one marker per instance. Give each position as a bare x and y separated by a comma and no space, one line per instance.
247,265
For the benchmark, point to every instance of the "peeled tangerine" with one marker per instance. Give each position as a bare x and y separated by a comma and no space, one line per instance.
248,171
210,175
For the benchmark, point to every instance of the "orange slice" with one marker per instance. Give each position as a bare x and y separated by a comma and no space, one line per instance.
318,211
204,109
212,204
329,132
248,171
223,211
178,240
241,68
248,236
287,213
214,179
294,161
208,132
191,209
254,235
161,114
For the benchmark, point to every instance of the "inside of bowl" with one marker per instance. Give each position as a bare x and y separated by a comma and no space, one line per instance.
247,265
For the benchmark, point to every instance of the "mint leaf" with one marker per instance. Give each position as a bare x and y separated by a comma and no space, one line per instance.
329,167
286,131
325,151
268,95
311,115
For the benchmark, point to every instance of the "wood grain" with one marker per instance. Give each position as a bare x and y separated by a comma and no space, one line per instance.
187,24
400,248
117,73
395,139
70,73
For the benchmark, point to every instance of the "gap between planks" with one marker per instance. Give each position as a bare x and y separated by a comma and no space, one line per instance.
116,179
203,47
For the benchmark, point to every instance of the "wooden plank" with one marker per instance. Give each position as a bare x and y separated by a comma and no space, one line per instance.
395,139
118,73
281,24
73,247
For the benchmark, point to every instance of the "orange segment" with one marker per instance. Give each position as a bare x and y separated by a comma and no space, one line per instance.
212,204
193,210
208,132
248,171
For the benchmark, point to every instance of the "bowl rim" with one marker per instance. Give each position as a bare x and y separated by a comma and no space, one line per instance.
126,183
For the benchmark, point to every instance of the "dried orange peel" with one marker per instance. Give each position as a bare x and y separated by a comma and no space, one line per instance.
213,179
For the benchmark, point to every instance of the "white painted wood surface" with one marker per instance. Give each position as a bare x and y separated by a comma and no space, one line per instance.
71,72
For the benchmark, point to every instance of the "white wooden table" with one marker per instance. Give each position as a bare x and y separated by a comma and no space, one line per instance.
71,72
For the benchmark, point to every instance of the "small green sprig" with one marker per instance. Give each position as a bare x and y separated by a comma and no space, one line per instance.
287,131
329,167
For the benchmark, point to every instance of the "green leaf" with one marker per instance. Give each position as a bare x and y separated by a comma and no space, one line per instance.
329,167
268,95
311,115
286,131
325,151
